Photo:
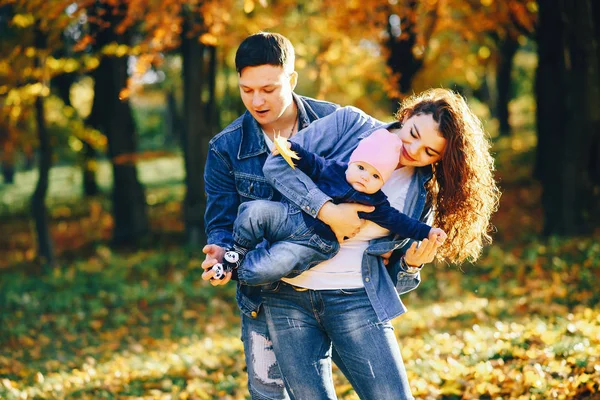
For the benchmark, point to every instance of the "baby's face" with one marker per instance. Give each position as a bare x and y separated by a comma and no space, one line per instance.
363,177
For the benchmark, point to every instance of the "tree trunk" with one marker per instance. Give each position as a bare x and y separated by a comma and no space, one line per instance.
402,59
128,197
508,49
194,138
211,105
116,121
172,120
568,123
595,159
88,170
62,86
7,160
38,199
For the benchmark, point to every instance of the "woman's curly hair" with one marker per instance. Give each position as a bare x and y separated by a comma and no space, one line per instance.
463,191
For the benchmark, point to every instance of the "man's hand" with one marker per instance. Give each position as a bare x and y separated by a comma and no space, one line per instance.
343,218
214,254
422,253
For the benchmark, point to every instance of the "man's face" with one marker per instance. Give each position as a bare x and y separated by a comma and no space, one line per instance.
266,91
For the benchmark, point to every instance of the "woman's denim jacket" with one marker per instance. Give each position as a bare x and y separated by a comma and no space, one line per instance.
335,136
233,174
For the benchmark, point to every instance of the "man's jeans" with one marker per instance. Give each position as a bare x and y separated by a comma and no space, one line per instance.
294,247
264,378
303,324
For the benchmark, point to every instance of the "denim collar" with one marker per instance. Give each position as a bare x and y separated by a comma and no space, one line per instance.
253,143
388,126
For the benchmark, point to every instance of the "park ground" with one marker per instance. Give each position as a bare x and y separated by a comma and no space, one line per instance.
521,323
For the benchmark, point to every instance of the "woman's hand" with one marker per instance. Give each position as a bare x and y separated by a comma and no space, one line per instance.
422,253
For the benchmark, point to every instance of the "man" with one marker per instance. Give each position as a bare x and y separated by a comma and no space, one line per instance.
233,174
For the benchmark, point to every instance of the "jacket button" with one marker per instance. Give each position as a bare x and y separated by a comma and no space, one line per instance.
367,279
253,314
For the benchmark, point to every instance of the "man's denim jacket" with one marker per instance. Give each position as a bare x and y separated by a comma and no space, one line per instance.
336,136
233,174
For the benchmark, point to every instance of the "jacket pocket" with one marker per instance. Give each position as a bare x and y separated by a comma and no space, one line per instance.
253,187
325,246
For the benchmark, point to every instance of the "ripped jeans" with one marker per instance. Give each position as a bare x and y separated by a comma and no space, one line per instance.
264,378
305,323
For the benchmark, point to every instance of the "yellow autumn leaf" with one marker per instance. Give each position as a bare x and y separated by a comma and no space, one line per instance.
282,147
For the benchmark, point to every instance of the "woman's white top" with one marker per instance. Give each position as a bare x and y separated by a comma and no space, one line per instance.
343,271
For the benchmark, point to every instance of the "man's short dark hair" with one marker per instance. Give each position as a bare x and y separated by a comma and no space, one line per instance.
265,48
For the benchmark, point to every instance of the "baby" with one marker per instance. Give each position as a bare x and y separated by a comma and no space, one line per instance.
297,241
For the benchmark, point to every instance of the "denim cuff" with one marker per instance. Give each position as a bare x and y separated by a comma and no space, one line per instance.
220,237
240,241
314,202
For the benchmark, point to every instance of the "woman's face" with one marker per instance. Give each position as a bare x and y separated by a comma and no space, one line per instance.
422,143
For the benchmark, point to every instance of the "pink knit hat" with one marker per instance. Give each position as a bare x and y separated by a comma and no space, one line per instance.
381,150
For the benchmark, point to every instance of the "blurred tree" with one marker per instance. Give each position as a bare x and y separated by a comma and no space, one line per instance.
172,118
568,100
62,84
514,18
507,48
7,150
192,27
406,42
112,115
38,199
26,68
199,74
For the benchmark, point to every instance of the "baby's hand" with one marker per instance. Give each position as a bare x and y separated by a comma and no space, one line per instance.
275,151
438,235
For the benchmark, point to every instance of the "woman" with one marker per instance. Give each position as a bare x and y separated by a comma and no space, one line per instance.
445,173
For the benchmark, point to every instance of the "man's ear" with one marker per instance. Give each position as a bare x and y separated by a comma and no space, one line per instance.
293,79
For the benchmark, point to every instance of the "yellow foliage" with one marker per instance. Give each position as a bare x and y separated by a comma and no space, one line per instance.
4,67
209,39
30,52
91,62
23,20
248,6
